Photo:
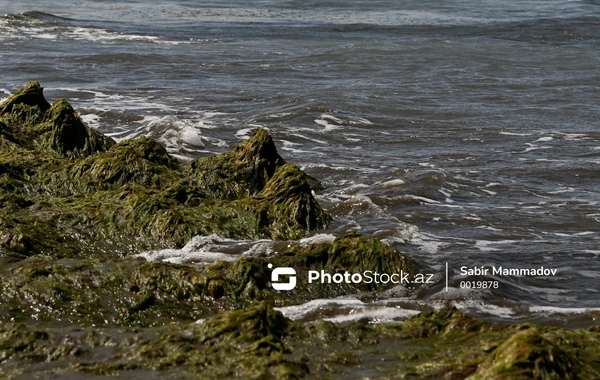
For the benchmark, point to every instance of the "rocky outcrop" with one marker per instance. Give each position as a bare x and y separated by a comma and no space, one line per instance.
242,172
32,123
80,187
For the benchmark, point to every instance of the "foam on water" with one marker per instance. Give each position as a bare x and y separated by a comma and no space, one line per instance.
328,127
379,314
172,131
562,310
208,249
485,308
346,309
317,238
29,26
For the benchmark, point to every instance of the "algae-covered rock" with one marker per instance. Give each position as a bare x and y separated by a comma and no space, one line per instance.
249,278
244,344
31,120
94,196
66,134
26,105
243,171
529,355
143,161
135,292
286,206
257,342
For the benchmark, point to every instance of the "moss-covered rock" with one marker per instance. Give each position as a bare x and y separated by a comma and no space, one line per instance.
66,134
244,344
143,161
128,291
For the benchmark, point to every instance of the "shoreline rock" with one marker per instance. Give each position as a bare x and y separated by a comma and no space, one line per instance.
63,177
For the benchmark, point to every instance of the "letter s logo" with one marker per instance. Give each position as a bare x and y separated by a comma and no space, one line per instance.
283,271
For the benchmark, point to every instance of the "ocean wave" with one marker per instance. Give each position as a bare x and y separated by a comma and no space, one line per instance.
41,25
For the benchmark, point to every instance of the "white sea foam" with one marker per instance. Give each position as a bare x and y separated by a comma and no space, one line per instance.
489,192
40,29
515,134
208,249
575,136
393,183
317,238
297,312
244,133
380,314
484,307
172,131
563,310
419,198
91,119
183,256
323,142
328,126
346,309
489,246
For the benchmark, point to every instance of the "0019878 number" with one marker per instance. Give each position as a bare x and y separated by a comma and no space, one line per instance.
479,284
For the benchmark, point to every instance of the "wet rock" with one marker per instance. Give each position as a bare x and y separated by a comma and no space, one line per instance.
249,278
92,194
243,329
29,120
256,341
26,105
143,161
286,206
529,355
236,344
68,136
134,292
242,172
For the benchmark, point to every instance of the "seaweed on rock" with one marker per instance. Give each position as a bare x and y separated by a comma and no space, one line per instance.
31,122
26,106
133,195
242,172
259,342
135,292
527,354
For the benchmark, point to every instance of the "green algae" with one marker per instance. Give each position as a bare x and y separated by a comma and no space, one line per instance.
94,196
133,292
242,172
258,342
31,122
528,354
238,344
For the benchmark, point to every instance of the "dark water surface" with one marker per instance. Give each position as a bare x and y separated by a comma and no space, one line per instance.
463,132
